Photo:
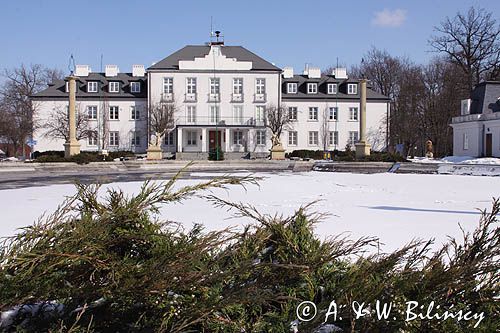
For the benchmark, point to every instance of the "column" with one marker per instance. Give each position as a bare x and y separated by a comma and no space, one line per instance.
72,146
227,139
203,140
362,110
179,140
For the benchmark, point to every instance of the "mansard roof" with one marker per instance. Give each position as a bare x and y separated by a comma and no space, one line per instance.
486,95
190,52
322,82
57,89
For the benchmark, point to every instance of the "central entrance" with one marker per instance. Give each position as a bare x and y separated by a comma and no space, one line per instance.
214,139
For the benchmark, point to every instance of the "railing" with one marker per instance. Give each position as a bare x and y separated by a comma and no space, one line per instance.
236,97
167,97
259,98
190,98
476,117
214,97
220,121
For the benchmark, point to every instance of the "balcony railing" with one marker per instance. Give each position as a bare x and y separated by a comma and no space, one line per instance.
214,97
259,98
476,117
167,97
236,98
221,121
190,98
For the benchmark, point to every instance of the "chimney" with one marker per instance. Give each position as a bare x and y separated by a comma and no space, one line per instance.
138,70
288,72
111,70
314,73
306,70
82,70
340,73
465,109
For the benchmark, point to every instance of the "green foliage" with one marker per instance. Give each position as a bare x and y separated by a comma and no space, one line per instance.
82,158
126,268
216,154
347,155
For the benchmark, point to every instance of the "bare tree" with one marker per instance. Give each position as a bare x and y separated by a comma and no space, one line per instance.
324,130
277,120
57,124
472,41
162,119
18,109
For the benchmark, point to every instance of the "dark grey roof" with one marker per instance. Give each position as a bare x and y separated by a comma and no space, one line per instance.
322,82
190,52
485,96
58,88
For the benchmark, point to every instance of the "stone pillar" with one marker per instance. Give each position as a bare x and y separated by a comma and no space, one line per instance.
203,140
362,147
179,140
72,146
228,137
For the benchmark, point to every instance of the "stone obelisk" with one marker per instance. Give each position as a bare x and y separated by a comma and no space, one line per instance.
72,146
362,147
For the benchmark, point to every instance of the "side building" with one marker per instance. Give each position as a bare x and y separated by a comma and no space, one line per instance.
220,95
476,132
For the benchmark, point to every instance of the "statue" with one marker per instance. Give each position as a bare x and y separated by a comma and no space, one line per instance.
429,149
275,140
154,150
277,151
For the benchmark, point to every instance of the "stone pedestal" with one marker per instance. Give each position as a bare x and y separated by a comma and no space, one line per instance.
71,148
277,152
362,149
154,153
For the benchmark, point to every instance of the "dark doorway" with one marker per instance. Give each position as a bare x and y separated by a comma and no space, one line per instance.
214,139
489,145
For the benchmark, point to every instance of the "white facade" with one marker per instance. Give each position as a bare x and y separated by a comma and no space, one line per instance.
220,95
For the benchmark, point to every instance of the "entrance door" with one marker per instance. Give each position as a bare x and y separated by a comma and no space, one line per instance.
214,139
489,145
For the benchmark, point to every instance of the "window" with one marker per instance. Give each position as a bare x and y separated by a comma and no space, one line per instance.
92,112
291,88
191,138
292,138
312,88
67,87
136,138
135,114
191,85
168,85
237,137
92,138
135,87
332,88
353,114
260,86
113,113
466,141
260,114
214,85
114,87
238,114
333,113
113,138
169,139
214,114
352,88
261,137
191,114
313,113
237,86
313,138
353,137
92,87
292,113
333,138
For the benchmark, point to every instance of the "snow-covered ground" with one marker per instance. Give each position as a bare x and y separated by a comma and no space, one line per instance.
458,159
394,207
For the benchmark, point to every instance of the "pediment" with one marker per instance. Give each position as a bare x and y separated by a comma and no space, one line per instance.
216,59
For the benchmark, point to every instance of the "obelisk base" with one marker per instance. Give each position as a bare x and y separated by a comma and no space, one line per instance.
71,148
362,149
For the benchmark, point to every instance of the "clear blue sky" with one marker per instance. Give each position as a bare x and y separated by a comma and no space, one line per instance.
288,33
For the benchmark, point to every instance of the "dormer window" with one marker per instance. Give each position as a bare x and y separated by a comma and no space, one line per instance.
114,87
135,87
332,88
352,88
312,88
291,88
92,87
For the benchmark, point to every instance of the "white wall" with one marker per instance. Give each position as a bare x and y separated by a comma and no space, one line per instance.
474,135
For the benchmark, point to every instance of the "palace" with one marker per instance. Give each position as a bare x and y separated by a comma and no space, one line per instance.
221,94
